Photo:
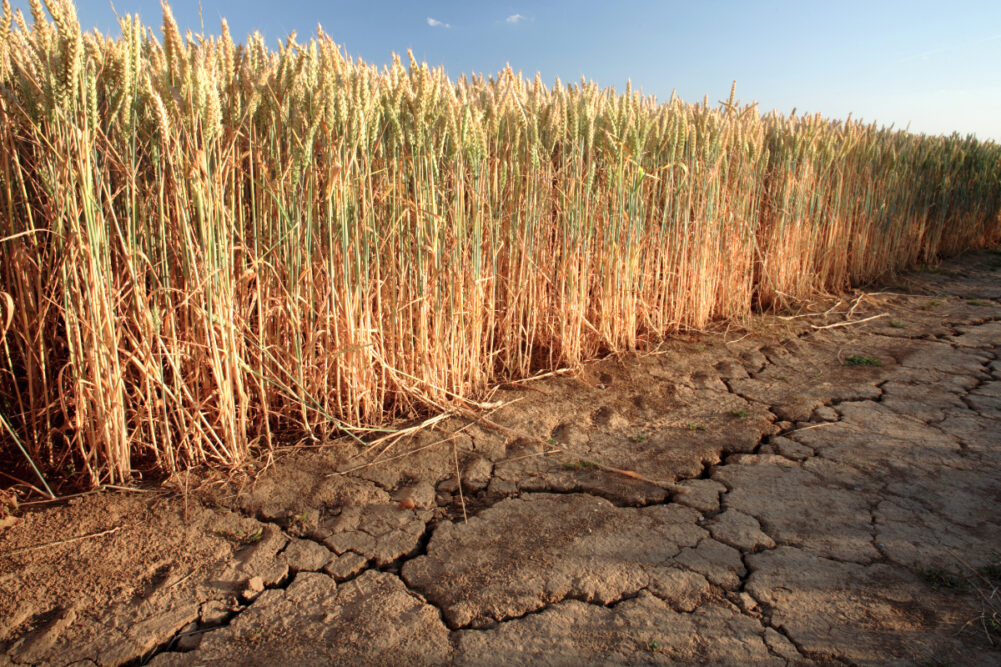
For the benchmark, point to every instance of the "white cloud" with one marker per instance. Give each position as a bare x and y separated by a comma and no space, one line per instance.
435,23
516,18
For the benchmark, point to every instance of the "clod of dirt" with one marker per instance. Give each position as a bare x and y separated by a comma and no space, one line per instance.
825,413
928,402
577,546
422,495
346,565
799,381
381,533
115,646
534,475
878,441
935,356
796,508
214,613
36,646
853,612
977,436
740,531
639,631
790,449
372,620
683,590
306,555
287,491
909,534
782,647
253,589
259,560
701,494
986,399
717,562
476,474
429,458
189,641
731,370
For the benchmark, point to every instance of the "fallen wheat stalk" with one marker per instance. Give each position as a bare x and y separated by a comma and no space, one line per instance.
60,542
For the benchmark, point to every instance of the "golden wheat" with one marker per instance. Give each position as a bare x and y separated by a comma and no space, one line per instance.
210,247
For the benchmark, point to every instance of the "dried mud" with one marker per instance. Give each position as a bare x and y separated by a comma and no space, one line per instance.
793,493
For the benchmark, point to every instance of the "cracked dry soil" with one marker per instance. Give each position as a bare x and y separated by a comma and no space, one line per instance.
725,499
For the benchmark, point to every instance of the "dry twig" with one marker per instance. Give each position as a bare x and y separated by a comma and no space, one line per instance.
850,323
60,542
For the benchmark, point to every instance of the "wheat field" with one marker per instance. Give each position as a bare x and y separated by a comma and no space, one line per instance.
209,248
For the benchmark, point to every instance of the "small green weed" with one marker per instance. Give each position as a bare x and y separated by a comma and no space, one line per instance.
934,303
638,438
897,325
859,360
581,464
976,302
739,414
696,427
653,646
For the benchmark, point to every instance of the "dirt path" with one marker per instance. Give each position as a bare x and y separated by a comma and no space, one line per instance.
794,495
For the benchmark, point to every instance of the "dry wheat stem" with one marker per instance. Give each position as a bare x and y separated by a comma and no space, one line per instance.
212,249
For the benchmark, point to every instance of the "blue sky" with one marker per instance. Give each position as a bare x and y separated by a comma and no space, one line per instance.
934,65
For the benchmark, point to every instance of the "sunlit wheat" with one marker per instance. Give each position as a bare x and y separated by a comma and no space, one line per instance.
212,247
